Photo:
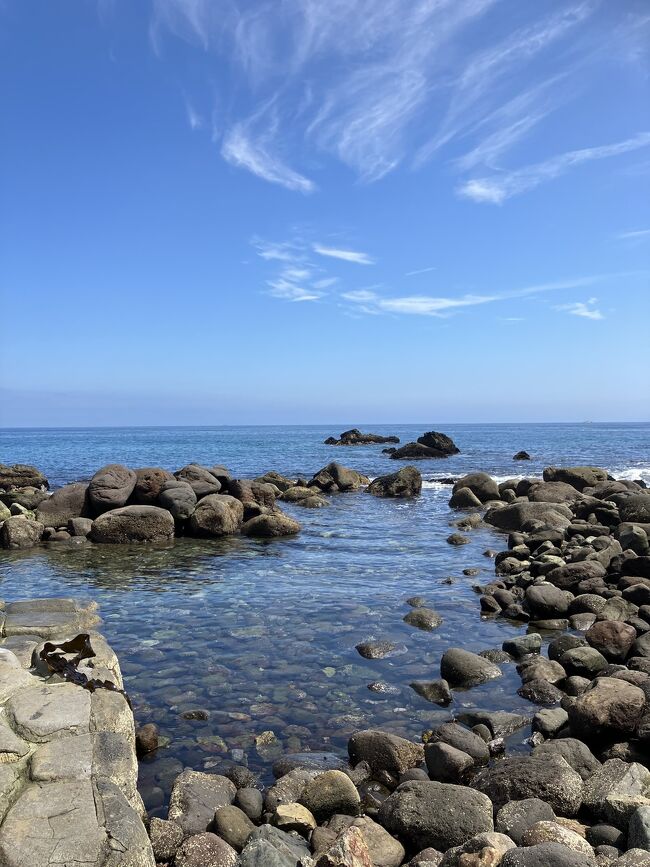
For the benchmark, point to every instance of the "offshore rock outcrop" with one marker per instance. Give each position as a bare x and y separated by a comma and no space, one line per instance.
355,437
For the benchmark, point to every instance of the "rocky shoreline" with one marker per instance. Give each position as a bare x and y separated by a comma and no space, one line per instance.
576,577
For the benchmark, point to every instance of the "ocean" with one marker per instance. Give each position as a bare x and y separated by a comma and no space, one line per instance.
261,635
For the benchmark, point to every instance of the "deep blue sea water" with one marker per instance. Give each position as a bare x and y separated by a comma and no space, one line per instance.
262,635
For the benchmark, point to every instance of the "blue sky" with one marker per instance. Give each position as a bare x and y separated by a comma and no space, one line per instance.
257,211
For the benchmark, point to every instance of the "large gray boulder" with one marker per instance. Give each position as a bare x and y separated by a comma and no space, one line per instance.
481,485
133,524
574,752
545,777
546,855
406,482
70,501
616,791
201,480
384,751
271,526
196,796
440,815
579,477
517,516
635,509
178,497
462,668
608,708
337,477
110,488
440,442
547,601
553,492
20,532
217,515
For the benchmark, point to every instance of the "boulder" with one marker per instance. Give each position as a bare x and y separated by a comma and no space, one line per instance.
462,668
423,618
270,847
417,452
521,456
546,601
384,850
70,501
516,817
21,476
28,498
271,526
196,797
516,516
348,850
546,855
233,826
354,437
200,479
616,790
635,508
446,764
608,708
483,850
435,691
579,477
612,638
481,485
165,838
460,738
384,752
576,753
178,497
571,574
329,793
638,835
439,815
553,492
110,488
133,524
545,777
149,482
294,817
337,477
464,498
205,850
248,491
217,515
407,482
20,532
440,442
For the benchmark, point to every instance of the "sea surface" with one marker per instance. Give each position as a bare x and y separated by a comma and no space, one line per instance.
261,635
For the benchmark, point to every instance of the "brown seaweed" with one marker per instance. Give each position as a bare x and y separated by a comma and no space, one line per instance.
55,657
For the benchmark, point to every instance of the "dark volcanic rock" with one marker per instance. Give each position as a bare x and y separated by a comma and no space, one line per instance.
439,441
546,855
406,482
521,456
481,485
67,502
355,437
336,477
433,814
517,515
544,777
579,477
462,668
384,751
609,708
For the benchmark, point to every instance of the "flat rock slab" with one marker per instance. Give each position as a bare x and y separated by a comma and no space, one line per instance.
49,712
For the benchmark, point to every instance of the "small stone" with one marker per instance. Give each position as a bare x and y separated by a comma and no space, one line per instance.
146,739
294,817
205,850
165,838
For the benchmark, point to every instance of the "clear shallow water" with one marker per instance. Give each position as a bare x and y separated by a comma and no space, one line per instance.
262,635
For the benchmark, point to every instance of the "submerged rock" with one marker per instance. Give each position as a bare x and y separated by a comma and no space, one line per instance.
133,524
462,668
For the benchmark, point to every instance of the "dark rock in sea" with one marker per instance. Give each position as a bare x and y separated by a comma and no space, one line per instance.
336,477
439,815
435,691
20,532
355,437
517,516
461,668
458,539
200,479
439,441
521,456
460,738
418,451
553,492
70,501
271,526
541,692
576,753
446,764
375,649
21,476
423,618
110,488
579,477
149,483
133,524
330,792
481,485
178,497
464,498
217,515
146,739
407,482
516,817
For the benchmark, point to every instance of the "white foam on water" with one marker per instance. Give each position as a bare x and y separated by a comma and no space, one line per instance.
639,471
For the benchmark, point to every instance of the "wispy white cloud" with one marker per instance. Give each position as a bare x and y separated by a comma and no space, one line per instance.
371,301
296,277
499,187
634,235
420,271
194,118
244,149
585,309
345,255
